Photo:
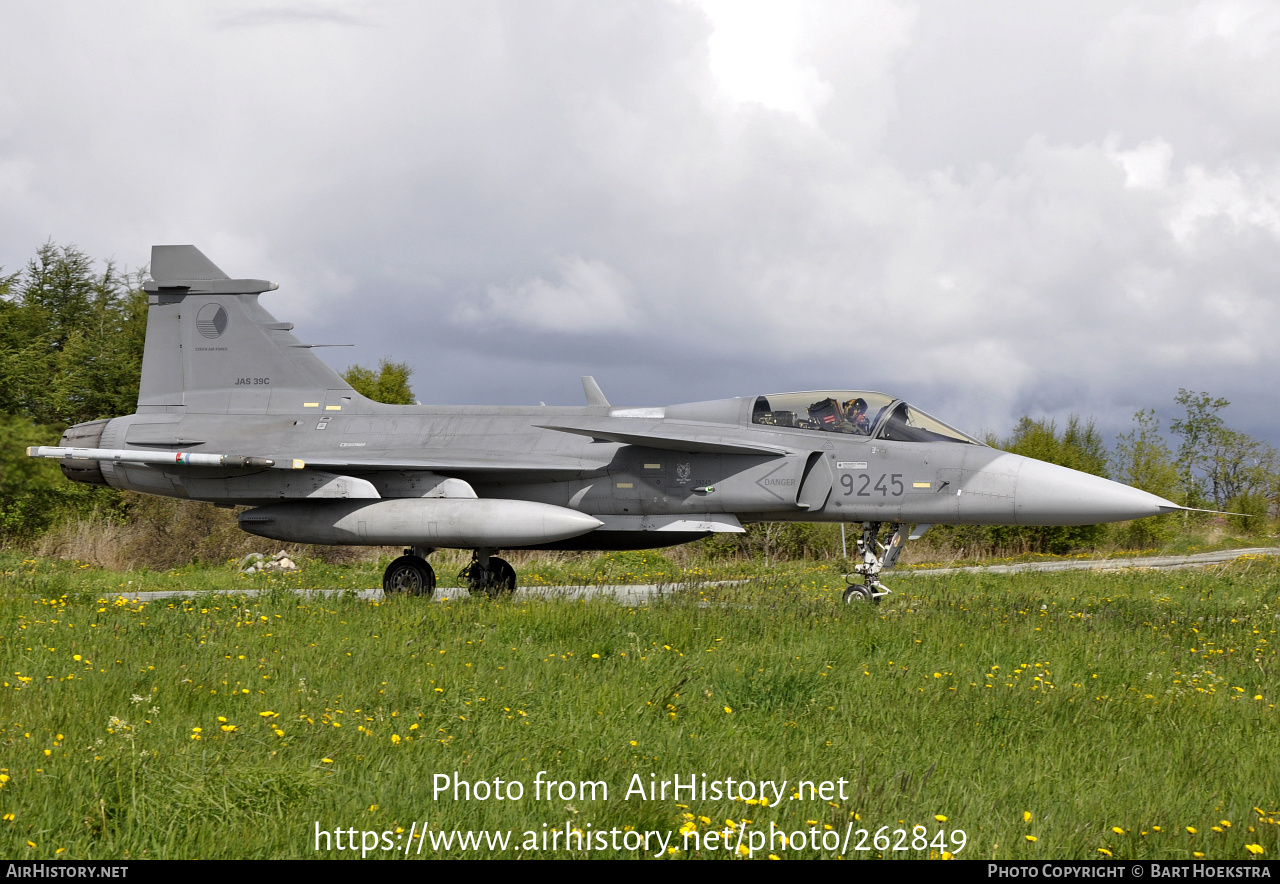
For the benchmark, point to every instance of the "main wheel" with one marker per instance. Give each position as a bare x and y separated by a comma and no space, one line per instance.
411,575
859,592
502,577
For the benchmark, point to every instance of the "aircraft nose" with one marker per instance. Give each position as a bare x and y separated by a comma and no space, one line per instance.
1048,494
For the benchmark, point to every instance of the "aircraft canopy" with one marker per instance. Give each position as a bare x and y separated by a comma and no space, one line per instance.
854,412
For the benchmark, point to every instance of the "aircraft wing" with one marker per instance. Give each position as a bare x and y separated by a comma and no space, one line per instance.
447,461
666,435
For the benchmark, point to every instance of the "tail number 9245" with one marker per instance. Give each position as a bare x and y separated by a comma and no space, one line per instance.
859,485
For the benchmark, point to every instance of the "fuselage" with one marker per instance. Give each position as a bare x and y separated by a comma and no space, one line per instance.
723,462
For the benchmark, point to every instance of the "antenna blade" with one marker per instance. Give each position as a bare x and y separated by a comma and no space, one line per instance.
592,389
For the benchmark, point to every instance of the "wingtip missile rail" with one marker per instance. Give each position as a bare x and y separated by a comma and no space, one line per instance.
153,456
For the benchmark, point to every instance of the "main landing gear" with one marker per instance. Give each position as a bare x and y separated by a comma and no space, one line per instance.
489,574
411,574
874,557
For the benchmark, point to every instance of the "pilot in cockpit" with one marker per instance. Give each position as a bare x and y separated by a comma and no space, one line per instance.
855,413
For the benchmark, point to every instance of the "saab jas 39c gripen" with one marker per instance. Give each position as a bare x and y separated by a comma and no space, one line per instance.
235,410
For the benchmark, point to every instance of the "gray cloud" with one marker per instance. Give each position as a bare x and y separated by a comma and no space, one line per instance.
993,212
287,16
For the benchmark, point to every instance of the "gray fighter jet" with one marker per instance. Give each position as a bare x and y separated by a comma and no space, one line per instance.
235,410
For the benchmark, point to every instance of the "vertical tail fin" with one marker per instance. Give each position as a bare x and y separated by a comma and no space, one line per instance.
212,348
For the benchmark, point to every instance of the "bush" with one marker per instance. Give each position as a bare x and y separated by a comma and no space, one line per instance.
1252,508
34,495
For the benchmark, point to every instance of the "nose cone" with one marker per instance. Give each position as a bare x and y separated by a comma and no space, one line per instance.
1052,495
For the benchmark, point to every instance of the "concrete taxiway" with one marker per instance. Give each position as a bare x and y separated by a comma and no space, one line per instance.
1195,560
632,594
643,593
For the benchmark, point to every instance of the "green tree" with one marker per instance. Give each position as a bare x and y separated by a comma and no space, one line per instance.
34,495
390,384
1216,464
70,350
1198,431
70,339
1143,460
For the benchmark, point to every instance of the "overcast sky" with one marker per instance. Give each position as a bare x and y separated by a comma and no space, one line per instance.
989,209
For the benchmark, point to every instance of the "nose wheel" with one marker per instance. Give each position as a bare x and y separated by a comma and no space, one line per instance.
874,557
489,575
859,593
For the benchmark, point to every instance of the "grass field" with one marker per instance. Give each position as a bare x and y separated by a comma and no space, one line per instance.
1130,714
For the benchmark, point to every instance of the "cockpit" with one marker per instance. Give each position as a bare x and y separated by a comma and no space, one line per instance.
854,413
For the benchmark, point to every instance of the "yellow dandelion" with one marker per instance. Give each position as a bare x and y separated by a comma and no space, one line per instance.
1026,816
228,727
395,739
1191,830
1117,830
372,808
1226,824
326,761
728,710
1032,838
939,817
1255,849
1197,854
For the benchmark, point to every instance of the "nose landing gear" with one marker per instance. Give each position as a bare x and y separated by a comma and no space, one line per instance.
875,557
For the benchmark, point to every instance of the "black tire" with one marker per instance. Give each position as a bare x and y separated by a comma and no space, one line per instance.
858,593
502,580
410,575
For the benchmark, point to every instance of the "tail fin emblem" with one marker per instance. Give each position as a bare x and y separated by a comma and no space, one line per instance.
211,321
